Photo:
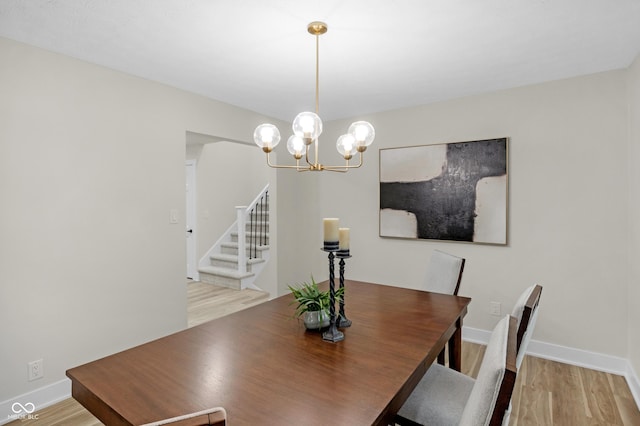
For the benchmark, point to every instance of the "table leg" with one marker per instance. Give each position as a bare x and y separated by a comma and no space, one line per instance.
455,347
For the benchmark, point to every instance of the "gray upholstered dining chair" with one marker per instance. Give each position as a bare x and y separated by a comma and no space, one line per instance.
444,276
216,416
444,273
447,397
526,313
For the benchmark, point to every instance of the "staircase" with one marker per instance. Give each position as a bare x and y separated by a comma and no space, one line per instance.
237,258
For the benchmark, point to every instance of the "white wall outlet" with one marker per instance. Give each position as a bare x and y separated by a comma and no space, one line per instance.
36,369
494,309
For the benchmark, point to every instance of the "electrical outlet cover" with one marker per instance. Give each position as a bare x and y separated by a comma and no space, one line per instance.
36,369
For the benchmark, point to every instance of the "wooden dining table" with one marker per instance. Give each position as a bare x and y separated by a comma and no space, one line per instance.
264,368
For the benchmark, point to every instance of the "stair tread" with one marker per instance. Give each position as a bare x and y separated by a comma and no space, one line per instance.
234,258
224,272
235,245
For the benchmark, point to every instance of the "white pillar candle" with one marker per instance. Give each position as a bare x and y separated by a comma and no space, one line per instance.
343,238
330,229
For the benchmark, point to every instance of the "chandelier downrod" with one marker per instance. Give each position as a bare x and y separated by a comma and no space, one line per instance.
307,128
317,28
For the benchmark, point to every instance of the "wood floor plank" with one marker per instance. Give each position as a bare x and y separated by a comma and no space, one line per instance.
602,406
471,358
546,392
567,394
534,408
624,400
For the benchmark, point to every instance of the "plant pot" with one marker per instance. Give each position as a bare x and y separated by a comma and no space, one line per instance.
315,320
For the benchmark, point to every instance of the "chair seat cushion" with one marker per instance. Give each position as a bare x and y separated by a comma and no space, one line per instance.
439,398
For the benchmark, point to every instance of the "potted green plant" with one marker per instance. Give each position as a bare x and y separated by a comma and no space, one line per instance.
313,304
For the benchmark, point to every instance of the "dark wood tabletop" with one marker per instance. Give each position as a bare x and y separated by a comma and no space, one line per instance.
264,368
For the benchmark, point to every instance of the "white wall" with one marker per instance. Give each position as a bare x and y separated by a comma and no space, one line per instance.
91,163
567,198
300,229
634,213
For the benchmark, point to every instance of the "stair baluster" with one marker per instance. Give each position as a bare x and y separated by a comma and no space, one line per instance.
242,238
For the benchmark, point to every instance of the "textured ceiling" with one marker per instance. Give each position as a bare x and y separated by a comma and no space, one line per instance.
377,55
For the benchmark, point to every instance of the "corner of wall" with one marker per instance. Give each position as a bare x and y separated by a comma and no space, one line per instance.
633,243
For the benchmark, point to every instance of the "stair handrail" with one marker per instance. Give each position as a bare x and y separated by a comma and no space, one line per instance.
242,213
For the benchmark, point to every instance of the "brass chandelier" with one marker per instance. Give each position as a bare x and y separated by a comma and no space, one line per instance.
307,127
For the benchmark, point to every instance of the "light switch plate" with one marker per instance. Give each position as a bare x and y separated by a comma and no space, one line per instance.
173,216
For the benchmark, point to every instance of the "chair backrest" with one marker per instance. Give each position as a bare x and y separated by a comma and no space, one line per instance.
526,313
444,273
216,416
491,393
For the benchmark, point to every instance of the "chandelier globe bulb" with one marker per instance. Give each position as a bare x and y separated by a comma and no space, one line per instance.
266,136
296,146
346,145
307,125
363,132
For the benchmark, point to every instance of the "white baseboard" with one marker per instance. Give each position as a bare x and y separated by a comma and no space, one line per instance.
56,392
578,357
28,404
634,383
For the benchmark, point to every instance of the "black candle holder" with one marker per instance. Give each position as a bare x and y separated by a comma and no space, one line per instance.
332,334
343,321
331,246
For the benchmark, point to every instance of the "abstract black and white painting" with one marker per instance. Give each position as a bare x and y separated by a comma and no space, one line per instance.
452,191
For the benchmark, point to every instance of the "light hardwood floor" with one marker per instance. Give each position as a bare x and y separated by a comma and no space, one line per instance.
546,392
552,393
207,302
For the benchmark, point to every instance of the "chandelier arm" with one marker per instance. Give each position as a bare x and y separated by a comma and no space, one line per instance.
277,166
306,156
297,168
334,169
344,168
312,165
